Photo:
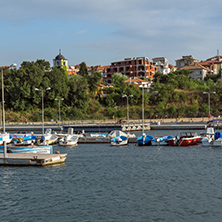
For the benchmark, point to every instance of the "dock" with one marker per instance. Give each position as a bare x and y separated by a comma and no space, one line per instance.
88,139
31,159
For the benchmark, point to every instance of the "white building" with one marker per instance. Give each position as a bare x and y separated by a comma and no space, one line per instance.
162,65
60,61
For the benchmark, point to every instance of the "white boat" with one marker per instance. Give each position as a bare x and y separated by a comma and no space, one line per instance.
28,149
24,139
211,138
70,139
98,134
8,139
119,141
118,138
48,138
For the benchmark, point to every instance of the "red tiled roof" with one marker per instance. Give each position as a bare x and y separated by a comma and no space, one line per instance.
194,66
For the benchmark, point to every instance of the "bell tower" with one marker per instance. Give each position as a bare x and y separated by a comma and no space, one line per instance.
60,61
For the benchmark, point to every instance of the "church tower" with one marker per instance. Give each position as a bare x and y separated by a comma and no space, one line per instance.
60,61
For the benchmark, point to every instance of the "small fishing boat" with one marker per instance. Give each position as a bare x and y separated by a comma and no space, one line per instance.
24,140
48,138
28,149
70,139
144,140
119,141
185,139
212,138
161,141
8,138
98,134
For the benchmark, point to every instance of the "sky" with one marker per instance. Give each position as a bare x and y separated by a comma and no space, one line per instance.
99,32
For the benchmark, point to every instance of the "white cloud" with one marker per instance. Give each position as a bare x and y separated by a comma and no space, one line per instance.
142,27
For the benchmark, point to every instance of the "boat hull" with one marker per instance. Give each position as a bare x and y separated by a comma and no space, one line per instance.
28,149
184,142
209,142
62,143
144,140
119,141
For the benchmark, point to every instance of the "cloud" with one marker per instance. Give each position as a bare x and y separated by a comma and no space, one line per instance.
81,32
143,27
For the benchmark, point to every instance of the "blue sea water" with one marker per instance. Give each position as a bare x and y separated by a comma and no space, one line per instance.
117,184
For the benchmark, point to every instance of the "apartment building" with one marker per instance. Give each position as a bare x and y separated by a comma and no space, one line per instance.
139,67
162,65
185,61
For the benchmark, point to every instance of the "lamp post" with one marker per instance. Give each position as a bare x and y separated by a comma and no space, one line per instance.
36,89
127,103
209,100
59,109
3,110
145,86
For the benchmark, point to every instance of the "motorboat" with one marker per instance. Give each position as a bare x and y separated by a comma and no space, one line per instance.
118,138
185,139
24,139
92,134
212,138
70,139
8,138
119,141
144,140
161,141
28,149
48,138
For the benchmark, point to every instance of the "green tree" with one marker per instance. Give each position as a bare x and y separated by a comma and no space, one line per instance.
118,80
94,81
77,96
83,71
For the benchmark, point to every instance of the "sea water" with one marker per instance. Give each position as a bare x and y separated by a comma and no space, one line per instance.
101,183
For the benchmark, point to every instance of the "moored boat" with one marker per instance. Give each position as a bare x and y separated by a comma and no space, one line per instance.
28,149
212,139
185,139
119,141
144,140
8,138
161,141
24,140
70,139
92,134
47,139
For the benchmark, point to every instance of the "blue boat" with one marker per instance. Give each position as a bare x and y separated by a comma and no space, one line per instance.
144,140
161,141
28,149
25,140
119,141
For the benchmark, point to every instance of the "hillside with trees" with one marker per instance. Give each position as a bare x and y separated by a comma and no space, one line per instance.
173,95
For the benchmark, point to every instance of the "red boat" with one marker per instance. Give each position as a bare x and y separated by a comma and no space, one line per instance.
185,139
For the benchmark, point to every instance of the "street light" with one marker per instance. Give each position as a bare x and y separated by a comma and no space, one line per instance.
209,100
127,102
143,86
59,108
3,110
36,89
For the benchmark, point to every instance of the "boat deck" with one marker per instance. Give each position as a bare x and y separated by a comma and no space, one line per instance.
31,159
